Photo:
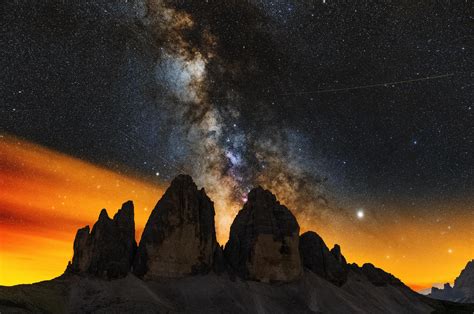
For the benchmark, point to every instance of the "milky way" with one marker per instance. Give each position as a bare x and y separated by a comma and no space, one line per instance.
224,158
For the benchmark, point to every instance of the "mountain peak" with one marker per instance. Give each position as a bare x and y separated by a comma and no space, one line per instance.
259,194
104,215
315,256
179,238
182,180
263,241
466,278
106,251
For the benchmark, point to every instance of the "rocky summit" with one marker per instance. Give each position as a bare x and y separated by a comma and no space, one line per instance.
109,249
263,241
179,238
317,257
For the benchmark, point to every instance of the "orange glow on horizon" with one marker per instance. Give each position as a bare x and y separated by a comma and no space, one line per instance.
45,196
418,253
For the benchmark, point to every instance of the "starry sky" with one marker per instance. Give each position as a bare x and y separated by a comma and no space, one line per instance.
356,114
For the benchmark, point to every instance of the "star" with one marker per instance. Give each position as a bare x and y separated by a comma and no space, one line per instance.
360,214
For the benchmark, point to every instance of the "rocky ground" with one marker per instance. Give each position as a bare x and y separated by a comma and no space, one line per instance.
216,294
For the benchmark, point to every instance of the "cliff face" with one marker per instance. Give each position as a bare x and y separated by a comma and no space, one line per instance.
263,241
179,238
109,249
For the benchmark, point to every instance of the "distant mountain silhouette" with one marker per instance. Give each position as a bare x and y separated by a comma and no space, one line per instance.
178,267
463,289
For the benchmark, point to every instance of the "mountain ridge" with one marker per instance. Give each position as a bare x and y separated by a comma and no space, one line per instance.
178,266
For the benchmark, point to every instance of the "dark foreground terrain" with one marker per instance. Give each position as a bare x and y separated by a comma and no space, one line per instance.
216,294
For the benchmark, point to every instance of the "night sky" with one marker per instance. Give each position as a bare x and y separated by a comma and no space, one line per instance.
347,110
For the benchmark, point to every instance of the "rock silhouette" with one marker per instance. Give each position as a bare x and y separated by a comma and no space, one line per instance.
376,276
179,238
109,249
466,278
263,241
317,257
179,241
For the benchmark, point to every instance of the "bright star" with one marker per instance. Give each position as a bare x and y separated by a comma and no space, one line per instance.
360,214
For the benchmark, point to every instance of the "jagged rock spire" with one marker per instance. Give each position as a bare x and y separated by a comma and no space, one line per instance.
316,256
179,238
263,242
108,250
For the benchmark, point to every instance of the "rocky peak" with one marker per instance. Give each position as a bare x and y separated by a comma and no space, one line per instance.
179,238
336,252
466,278
463,289
270,216
125,215
315,255
108,250
263,241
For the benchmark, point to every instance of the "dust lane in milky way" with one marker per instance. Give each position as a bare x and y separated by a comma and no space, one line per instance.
46,196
